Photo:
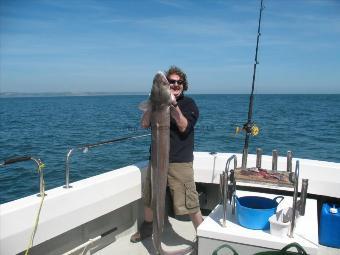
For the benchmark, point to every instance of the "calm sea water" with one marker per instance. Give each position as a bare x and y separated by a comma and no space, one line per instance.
47,127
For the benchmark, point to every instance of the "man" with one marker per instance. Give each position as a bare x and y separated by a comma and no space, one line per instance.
184,115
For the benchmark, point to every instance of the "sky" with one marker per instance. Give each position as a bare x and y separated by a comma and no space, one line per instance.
118,46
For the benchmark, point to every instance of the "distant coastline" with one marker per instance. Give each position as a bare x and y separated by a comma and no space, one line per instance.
66,94
84,94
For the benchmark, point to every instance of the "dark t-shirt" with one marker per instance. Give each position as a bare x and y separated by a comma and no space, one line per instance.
182,143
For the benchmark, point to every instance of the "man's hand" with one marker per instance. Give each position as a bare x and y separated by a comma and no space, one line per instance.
173,100
181,121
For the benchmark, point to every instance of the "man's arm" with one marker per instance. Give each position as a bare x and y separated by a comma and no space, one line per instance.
181,120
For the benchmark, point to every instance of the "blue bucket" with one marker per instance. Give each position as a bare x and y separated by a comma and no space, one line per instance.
253,212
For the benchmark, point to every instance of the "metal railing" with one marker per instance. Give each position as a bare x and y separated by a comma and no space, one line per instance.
227,190
39,163
86,147
299,206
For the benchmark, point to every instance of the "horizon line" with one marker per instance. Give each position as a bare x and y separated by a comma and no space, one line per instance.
70,94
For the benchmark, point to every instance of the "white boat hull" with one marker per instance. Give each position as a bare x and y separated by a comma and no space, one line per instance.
70,217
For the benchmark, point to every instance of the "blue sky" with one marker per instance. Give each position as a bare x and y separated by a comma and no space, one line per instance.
117,46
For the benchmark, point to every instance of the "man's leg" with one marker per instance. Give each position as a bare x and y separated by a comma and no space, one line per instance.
145,229
183,191
148,214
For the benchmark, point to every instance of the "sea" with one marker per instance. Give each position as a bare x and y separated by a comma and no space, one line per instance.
48,127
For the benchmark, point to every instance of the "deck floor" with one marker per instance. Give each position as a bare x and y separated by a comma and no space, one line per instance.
177,234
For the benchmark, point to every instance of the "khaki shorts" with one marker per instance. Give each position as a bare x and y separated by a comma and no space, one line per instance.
182,187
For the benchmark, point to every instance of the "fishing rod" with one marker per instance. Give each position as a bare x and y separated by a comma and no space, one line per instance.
249,126
85,148
88,146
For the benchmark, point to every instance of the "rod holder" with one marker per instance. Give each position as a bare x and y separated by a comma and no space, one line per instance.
231,185
224,196
289,161
244,158
258,157
275,155
303,197
221,187
294,178
232,190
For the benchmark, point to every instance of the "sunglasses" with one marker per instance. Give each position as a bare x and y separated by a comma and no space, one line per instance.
179,82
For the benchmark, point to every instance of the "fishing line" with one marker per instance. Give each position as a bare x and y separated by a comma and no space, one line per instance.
87,146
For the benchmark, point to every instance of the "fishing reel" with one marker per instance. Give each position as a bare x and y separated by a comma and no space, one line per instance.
250,128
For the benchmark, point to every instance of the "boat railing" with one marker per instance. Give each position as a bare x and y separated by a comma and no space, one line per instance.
86,147
40,166
233,157
227,189
298,205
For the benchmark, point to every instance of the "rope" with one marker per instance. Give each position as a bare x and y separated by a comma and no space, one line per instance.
30,244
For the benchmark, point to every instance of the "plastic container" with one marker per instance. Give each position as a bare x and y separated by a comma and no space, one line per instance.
278,228
329,230
253,212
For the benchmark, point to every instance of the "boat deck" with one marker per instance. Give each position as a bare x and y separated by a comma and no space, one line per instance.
177,235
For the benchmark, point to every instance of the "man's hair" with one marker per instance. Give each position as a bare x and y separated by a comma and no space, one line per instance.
180,73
